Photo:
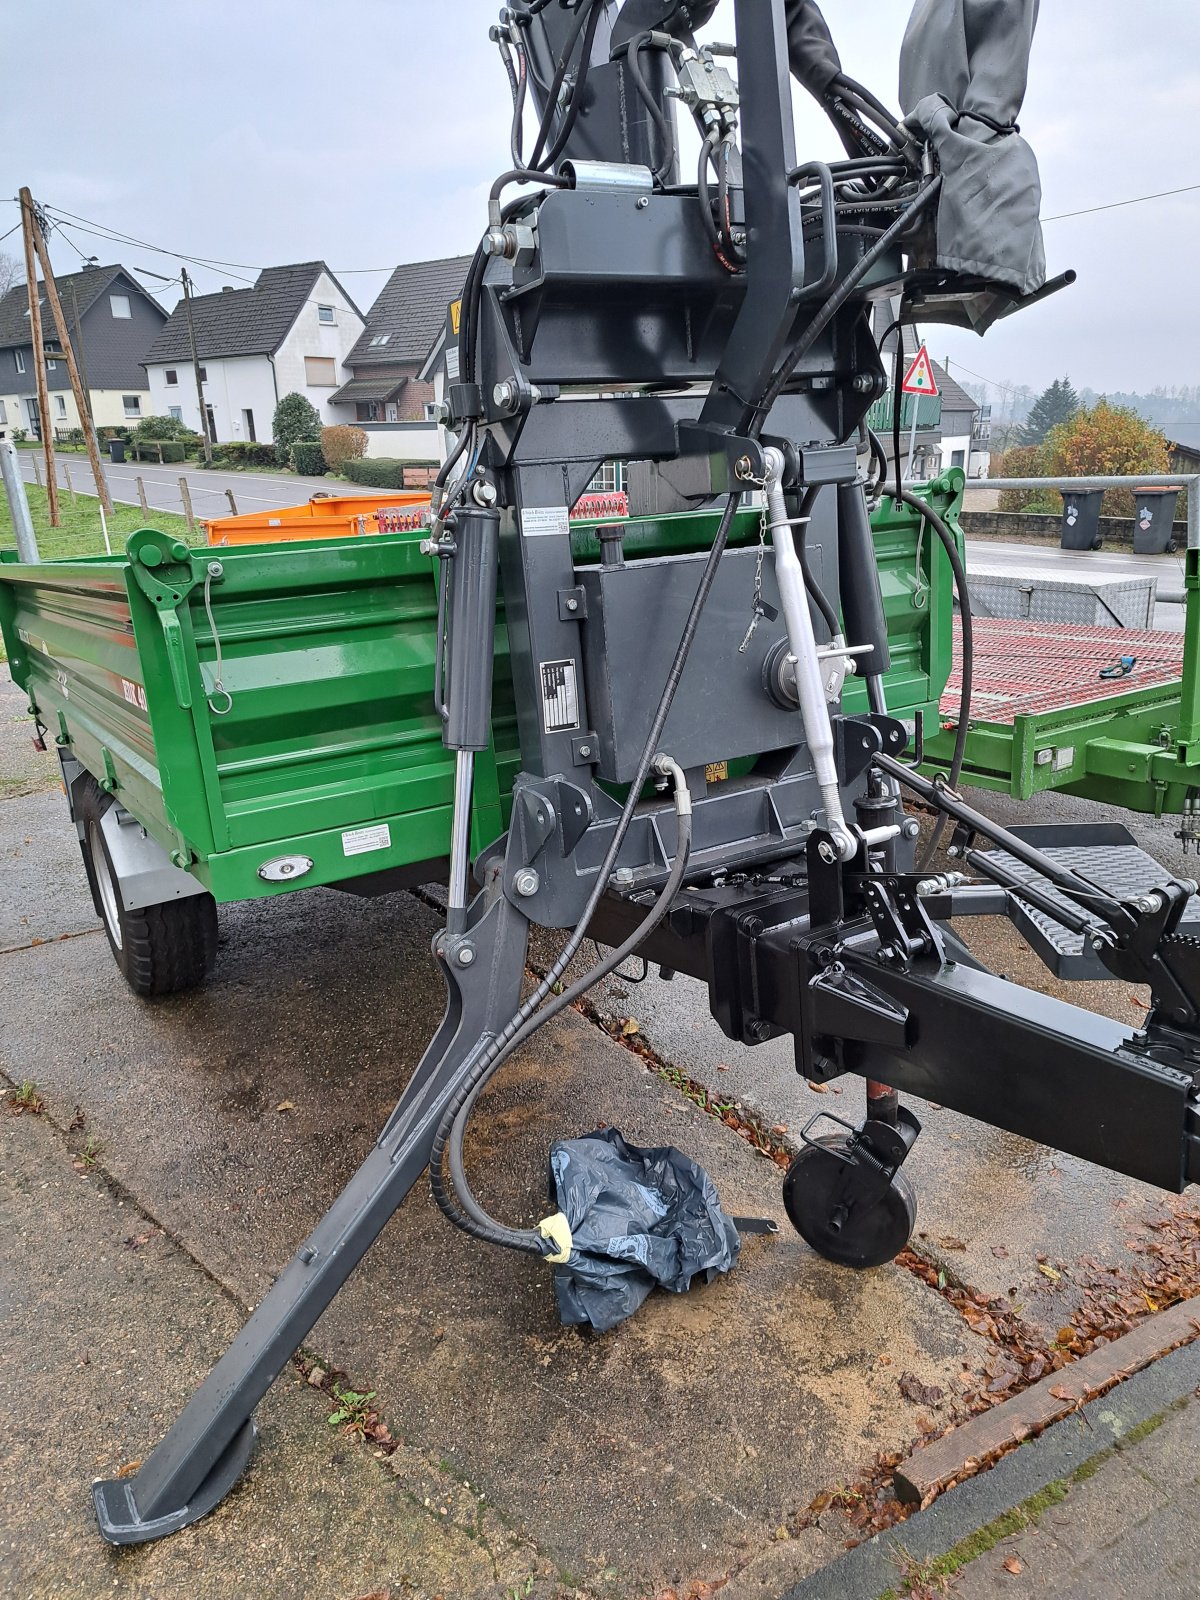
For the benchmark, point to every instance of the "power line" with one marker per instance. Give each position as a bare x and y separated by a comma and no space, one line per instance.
1114,205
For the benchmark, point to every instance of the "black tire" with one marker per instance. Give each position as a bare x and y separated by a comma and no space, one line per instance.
161,949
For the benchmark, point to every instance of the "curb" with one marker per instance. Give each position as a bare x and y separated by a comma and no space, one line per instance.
873,1568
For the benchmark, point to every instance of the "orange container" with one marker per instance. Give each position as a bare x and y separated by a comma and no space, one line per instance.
324,517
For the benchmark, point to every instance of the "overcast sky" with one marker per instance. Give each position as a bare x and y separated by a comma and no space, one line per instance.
367,134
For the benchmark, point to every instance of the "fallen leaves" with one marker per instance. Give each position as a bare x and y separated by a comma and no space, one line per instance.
921,1394
286,1105
629,1028
1013,1564
1047,1271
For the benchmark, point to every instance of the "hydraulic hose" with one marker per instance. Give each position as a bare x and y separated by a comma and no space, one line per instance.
526,1239
968,657
815,593
558,1004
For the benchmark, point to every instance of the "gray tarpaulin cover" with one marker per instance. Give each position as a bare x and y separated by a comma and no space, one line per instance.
811,50
638,1218
963,71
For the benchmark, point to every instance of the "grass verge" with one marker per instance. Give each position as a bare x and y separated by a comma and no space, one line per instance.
80,533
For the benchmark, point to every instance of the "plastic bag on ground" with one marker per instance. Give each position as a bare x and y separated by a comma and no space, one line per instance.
639,1218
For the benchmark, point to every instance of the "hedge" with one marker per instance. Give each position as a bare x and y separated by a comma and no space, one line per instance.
245,453
383,472
308,459
161,450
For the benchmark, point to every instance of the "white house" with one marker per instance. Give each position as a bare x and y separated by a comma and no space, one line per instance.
290,333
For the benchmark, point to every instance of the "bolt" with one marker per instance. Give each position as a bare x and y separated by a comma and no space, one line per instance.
179,858
527,882
464,956
215,569
622,877
751,926
743,468
585,751
826,852
911,828
504,395
572,605
758,1031
484,494
643,200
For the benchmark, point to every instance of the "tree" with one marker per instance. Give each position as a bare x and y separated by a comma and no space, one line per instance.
295,418
11,274
1052,408
1107,441
341,444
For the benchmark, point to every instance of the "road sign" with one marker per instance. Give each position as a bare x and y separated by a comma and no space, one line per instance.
919,378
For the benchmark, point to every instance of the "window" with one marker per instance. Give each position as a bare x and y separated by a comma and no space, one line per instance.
609,480
380,338
3,414
20,360
203,374
119,306
176,412
51,366
60,402
325,314
132,404
172,376
320,372
392,412
958,458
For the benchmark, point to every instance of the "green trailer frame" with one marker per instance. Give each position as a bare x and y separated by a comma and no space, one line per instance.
276,702
1137,748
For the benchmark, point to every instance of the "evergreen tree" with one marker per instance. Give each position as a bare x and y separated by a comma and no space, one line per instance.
295,418
1052,408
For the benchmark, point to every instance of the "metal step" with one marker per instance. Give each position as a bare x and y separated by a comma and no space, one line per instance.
1107,855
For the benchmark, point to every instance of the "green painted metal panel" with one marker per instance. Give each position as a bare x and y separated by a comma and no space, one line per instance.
327,725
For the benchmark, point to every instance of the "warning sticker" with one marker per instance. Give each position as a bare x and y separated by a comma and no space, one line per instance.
360,840
560,696
452,362
455,316
538,521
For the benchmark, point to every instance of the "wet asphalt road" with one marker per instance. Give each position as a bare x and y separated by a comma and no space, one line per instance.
252,491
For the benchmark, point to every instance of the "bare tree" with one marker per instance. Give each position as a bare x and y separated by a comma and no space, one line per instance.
11,274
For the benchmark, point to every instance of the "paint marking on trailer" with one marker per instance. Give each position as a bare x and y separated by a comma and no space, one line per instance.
359,841
135,694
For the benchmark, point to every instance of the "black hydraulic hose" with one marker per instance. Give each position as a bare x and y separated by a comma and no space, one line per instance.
526,1239
519,81
662,125
843,292
589,9
575,105
898,399
559,1003
968,657
800,539
863,101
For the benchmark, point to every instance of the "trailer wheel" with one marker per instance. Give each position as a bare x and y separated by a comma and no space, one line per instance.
160,949
842,1211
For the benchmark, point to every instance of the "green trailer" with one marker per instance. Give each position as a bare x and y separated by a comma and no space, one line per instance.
1056,707
240,723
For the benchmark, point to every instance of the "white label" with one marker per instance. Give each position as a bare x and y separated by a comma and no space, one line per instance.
452,362
1064,757
560,696
359,840
537,521
135,694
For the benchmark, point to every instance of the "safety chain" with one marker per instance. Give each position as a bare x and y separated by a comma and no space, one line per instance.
758,610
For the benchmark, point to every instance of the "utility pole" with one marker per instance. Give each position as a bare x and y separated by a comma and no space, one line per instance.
39,355
64,338
87,388
187,300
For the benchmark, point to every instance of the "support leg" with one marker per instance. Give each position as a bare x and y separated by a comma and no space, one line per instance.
207,1449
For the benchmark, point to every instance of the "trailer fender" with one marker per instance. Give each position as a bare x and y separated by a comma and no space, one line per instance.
145,875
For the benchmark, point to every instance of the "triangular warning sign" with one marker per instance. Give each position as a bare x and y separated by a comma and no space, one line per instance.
919,378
